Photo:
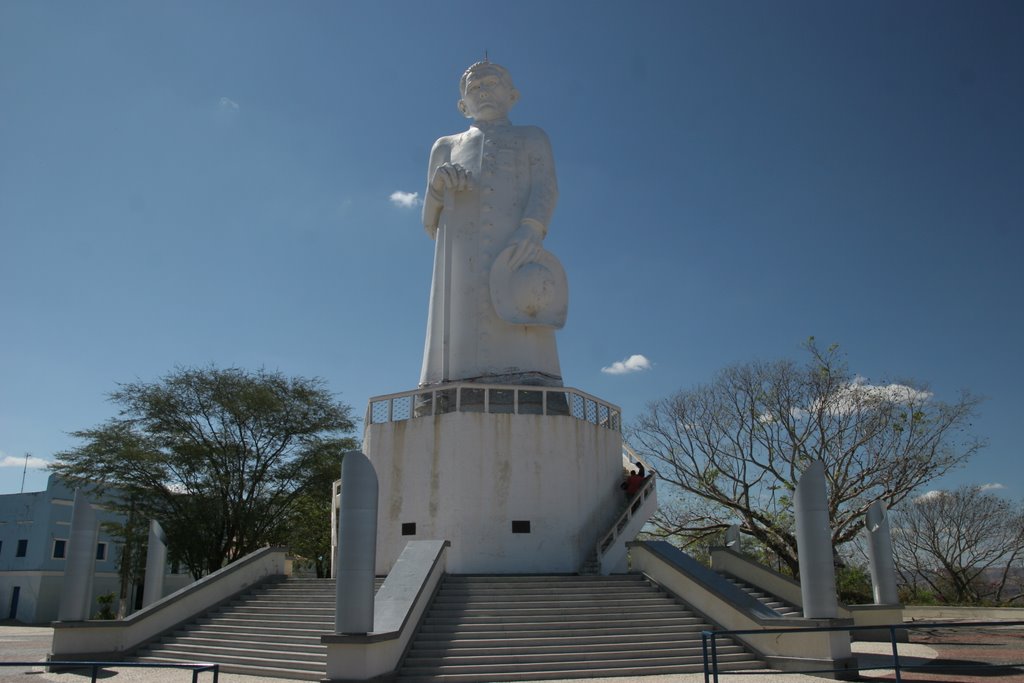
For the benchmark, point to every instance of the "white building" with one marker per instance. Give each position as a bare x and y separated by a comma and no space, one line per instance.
34,532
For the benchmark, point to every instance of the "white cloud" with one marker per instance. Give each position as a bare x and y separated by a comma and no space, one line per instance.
34,463
634,363
932,495
860,394
227,104
900,393
406,200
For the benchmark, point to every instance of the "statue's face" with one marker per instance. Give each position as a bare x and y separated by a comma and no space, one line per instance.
488,96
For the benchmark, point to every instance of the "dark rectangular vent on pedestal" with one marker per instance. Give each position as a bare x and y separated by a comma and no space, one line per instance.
408,528
520,526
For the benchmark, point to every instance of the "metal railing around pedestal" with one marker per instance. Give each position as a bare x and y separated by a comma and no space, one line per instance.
469,397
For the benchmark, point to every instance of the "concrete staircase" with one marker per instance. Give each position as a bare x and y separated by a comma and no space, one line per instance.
479,628
516,628
779,605
272,630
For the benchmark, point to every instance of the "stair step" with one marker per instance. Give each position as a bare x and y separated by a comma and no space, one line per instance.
667,664
567,625
253,668
253,628
767,599
303,661
541,616
595,641
540,674
271,636
548,588
529,655
253,623
544,593
564,579
551,610
265,611
240,642
504,600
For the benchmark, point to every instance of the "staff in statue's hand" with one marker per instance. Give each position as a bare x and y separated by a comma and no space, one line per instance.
447,176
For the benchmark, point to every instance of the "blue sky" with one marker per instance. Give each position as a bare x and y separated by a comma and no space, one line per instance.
190,183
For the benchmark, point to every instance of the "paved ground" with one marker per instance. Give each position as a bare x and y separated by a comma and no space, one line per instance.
944,648
960,651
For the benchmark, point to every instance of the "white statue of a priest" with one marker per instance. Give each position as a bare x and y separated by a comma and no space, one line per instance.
497,296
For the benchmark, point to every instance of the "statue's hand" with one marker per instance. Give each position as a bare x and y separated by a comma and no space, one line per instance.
449,176
527,242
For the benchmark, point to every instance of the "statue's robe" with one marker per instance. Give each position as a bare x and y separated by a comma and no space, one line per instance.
513,179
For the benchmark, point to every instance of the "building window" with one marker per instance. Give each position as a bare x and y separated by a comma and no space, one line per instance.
520,526
408,528
60,548
22,547
15,594
101,551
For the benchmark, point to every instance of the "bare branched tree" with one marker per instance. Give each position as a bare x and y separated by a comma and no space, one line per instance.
965,546
740,443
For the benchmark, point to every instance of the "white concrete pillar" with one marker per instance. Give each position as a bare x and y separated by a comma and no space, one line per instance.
80,566
357,545
880,560
814,544
156,561
732,537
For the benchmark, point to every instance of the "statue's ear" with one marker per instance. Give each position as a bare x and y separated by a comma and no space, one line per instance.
462,108
514,96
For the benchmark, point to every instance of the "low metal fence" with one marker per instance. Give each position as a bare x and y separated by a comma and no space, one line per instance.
709,640
470,397
95,667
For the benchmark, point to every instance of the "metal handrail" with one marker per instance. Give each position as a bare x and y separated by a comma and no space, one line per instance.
634,503
196,667
711,661
636,457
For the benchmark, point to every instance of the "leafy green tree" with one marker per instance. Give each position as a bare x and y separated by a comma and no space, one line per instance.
734,449
132,533
310,526
106,603
853,584
219,456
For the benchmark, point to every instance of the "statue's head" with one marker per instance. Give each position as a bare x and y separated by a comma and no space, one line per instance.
487,91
